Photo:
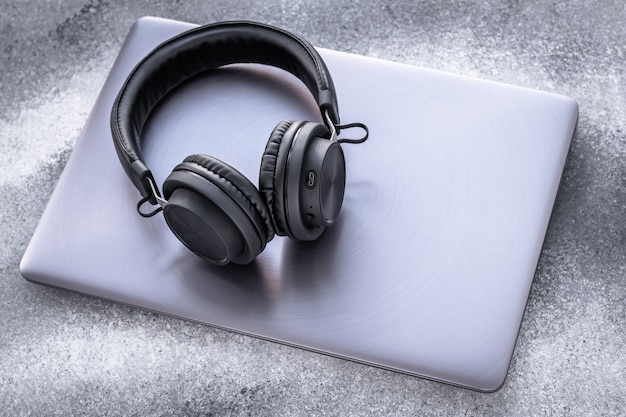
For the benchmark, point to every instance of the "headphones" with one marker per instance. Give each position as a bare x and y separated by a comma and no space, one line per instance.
211,207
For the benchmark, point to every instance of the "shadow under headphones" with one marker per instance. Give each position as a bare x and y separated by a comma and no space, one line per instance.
211,207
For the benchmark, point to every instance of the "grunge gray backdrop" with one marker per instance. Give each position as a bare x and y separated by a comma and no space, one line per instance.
64,354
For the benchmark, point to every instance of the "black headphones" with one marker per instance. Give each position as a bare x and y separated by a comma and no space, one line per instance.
211,207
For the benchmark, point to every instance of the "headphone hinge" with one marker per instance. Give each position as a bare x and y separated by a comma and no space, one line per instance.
155,196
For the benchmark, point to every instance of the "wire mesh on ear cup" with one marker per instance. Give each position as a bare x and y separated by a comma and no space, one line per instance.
209,199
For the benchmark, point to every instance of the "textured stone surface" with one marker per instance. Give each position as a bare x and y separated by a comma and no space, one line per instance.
64,354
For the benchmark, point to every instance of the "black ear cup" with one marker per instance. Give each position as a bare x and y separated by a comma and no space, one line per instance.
216,211
302,178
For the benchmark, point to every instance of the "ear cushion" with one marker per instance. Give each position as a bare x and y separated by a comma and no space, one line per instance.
272,172
236,186
281,180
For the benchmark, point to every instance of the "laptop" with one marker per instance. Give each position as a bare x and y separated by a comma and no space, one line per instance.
427,271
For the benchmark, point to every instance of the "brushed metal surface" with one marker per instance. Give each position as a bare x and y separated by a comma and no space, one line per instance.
426,271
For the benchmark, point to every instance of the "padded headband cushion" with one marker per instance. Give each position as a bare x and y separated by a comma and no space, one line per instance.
200,49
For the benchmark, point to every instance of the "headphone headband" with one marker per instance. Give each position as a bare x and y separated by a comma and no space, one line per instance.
200,49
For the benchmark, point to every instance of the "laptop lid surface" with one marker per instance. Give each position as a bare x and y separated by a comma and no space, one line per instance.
429,267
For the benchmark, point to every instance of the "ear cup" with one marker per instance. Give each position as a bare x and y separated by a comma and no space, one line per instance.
216,211
302,178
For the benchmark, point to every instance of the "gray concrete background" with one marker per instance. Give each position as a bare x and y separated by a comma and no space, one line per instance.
64,354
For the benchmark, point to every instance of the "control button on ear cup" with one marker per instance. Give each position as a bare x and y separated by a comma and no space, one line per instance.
311,144
324,176
228,198
284,179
